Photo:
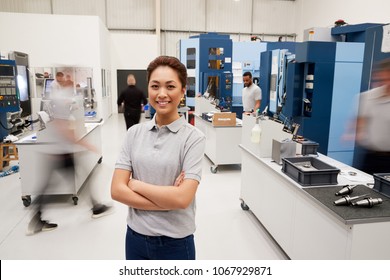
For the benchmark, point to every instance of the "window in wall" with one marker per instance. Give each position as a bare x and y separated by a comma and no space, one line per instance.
191,58
216,60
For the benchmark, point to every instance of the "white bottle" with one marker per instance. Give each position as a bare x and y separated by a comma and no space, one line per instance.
256,133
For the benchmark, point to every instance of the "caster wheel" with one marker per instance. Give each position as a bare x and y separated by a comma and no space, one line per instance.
100,160
75,200
26,200
213,169
244,206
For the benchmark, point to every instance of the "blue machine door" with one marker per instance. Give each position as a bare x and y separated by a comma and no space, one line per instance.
211,85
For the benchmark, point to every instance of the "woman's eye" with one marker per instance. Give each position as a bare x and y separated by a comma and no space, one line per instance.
154,86
171,87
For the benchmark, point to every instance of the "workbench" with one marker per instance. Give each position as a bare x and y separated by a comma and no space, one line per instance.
304,222
32,164
221,142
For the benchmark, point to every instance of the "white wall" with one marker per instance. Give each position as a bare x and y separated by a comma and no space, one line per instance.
51,40
58,41
130,51
105,63
83,41
191,16
323,13
77,41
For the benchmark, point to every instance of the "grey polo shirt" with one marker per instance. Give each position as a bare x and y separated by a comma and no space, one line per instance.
157,156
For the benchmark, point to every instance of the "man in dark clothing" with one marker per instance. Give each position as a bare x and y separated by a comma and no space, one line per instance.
133,99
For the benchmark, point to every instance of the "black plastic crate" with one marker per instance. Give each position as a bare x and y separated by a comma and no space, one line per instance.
310,171
309,148
382,183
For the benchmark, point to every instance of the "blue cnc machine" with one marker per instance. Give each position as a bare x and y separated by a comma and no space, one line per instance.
9,95
208,58
373,36
314,84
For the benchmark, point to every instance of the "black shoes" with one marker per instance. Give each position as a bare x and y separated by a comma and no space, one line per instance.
101,210
46,226
37,225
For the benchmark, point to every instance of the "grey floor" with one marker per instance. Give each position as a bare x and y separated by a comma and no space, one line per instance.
224,230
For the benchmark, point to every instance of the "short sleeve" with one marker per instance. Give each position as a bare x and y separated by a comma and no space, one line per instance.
124,158
193,155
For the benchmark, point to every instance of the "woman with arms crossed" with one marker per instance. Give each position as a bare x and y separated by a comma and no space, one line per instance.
158,171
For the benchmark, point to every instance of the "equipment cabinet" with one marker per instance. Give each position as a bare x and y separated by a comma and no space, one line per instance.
32,165
222,143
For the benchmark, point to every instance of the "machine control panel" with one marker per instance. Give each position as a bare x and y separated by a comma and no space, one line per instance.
228,80
9,97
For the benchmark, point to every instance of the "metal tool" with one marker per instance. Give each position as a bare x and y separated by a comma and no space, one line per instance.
347,200
368,202
346,190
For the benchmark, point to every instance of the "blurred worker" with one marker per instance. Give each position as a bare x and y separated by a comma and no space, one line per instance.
59,82
373,122
251,94
158,171
133,99
61,142
68,81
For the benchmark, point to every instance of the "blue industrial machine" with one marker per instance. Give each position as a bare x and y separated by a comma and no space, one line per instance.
317,90
373,35
278,90
321,85
279,54
331,77
315,85
9,95
208,58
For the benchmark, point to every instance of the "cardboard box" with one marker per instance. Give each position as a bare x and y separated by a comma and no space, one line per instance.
224,119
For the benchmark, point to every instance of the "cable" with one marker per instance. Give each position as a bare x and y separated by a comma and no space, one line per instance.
32,121
6,128
28,122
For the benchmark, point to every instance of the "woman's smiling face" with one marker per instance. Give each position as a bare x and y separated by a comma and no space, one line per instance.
165,92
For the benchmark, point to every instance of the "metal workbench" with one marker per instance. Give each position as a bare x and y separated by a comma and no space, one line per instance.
31,161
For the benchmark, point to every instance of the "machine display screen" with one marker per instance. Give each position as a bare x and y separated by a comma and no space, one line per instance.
6,71
47,87
191,58
22,82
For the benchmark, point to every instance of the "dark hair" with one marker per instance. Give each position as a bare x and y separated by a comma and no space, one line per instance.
382,65
247,74
171,62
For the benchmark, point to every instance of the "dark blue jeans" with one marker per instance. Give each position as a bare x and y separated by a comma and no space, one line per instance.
143,247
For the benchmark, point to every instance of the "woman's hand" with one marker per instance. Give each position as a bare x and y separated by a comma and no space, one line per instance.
179,179
132,184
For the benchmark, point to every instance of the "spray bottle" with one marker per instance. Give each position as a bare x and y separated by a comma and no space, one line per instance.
256,130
